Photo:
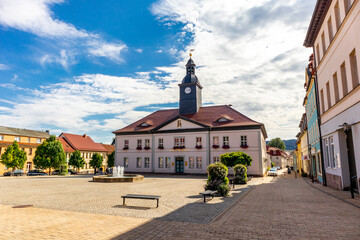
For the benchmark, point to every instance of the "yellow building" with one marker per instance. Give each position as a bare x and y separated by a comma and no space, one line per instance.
28,141
298,154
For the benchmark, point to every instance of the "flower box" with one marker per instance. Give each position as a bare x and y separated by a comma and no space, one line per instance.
146,148
160,147
198,147
178,147
215,146
125,148
225,146
244,146
138,148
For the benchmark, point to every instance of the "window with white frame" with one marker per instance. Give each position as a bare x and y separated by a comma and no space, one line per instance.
179,141
198,141
216,159
38,140
126,162
139,143
226,141
161,162
327,158
138,162
243,140
198,162
191,162
147,143
167,162
28,139
126,143
332,152
161,143
1,137
17,139
216,141
319,162
147,162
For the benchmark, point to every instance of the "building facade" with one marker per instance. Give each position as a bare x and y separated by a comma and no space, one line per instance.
334,36
188,139
279,157
28,141
86,146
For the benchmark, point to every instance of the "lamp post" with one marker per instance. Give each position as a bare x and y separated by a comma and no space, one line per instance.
347,128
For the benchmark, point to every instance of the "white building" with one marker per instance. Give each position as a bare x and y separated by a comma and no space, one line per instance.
334,36
188,139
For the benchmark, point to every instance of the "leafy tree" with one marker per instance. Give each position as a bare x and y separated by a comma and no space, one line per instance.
217,179
277,142
111,160
234,158
50,154
63,169
96,161
14,157
76,160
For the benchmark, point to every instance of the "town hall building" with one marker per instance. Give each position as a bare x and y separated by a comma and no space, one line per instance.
188,139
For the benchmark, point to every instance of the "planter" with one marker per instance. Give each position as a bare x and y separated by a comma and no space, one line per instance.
244,146
225,146
146,148
160,147
179,147
125,148
138,148
198,147
215,146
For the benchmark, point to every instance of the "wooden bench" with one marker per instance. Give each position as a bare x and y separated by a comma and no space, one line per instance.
150,197
208,193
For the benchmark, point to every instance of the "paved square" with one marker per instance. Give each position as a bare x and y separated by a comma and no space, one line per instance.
180,199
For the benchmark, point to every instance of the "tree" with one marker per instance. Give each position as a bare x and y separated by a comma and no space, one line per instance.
76,160
111,160
277,142
50,154
217,179
96,161
14,157
234,158
240,174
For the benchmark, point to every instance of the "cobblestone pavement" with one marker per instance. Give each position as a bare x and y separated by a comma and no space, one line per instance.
278,208
180,199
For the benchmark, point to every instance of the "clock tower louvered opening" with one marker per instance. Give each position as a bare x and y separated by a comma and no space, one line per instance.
190,91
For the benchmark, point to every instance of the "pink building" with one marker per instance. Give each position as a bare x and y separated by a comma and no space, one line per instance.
334,35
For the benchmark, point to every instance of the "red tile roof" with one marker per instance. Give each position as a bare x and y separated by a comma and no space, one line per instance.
206,117
274,151
109,148
66,146
82,142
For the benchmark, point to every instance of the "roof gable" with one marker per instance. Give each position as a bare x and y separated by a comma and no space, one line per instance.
82,142
180,123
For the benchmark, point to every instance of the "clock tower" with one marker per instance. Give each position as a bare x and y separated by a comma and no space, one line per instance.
190,91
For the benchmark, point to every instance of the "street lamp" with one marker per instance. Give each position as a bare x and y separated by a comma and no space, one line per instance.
347,128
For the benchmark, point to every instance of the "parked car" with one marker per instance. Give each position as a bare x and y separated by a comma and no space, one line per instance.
71,171
36,173
272,172
278,168
9,173
57,172
18,172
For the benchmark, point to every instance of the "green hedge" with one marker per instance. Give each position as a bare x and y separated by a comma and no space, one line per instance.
217,179
240,174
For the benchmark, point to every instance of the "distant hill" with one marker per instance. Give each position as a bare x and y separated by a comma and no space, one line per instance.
289,144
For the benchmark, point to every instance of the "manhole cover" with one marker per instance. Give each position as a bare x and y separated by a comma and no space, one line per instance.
22,206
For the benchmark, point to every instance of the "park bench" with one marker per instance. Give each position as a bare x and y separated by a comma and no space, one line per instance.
150,197
208,193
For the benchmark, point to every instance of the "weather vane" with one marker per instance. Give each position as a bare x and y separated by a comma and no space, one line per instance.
191,50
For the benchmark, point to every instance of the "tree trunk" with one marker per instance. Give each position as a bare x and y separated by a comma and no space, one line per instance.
94,171
49,170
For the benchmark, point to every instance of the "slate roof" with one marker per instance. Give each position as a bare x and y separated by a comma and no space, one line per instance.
66,146
23,132
206,117
82,142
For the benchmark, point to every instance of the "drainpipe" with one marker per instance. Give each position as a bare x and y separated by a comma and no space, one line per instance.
152,153
319,120
208,148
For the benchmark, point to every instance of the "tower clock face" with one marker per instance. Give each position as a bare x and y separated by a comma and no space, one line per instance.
187,90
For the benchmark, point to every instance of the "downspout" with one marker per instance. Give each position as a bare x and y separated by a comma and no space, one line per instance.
319,120
208,147
152,153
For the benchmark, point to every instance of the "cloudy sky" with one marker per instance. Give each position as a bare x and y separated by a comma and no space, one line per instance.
91,66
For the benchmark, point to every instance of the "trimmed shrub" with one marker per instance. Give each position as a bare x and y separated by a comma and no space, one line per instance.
240,174
217,179
63,169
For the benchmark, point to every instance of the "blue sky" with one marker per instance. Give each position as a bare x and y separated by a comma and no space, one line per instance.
95,66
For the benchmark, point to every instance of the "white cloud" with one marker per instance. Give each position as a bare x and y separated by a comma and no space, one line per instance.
249,54
36,17
3,67
64,59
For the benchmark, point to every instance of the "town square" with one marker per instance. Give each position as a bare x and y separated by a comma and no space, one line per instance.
169,119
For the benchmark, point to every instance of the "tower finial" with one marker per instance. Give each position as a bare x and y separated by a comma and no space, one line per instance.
190,55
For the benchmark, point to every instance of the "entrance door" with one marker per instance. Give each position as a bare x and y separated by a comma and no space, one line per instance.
179,165
351,156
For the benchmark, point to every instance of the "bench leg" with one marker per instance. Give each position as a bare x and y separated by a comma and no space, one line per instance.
124,202
204,198
157,203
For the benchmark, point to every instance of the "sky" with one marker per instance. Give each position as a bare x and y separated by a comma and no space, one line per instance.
91,66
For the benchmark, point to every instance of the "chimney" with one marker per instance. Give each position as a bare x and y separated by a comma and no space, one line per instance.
85,136
48,131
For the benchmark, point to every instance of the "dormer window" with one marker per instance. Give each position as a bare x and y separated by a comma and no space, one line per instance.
144,124
223,119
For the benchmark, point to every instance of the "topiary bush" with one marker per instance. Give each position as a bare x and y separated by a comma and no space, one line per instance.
217,179
240,174
63,169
